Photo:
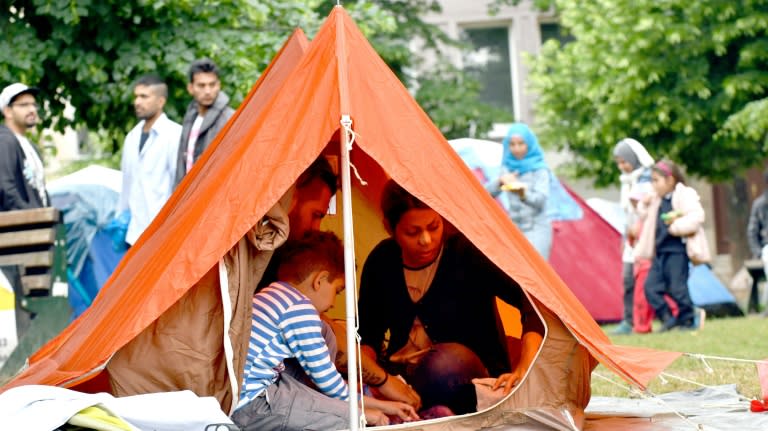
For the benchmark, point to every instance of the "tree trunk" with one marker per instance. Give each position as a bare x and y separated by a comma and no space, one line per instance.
737,207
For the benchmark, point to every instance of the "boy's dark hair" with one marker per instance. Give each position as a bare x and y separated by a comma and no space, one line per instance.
202,65
668,168
315,251
321,170
152,80
396,201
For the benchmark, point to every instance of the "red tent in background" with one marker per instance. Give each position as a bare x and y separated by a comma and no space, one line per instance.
586,254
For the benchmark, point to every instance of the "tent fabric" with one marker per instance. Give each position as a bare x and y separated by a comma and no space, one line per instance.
283,126
586,253
87,200
709,293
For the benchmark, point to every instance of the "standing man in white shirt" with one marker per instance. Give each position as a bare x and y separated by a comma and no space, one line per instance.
206,115
22,179
149,157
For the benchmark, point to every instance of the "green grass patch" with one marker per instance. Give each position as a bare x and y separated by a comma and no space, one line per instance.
741,338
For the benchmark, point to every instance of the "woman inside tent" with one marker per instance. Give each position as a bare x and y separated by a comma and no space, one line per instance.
525,179
434,294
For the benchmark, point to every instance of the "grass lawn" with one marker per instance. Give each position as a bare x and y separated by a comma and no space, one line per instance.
743,338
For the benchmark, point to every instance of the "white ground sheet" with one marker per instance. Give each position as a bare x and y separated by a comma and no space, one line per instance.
45,408
707,409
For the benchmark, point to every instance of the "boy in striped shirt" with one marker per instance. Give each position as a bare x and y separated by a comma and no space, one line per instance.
286,324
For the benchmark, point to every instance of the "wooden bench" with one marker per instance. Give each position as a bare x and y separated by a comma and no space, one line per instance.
756,270
29,240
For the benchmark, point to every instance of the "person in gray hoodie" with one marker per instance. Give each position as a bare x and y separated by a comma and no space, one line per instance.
634,164
206,115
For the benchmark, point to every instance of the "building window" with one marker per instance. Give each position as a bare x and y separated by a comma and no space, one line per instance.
488,61
552,30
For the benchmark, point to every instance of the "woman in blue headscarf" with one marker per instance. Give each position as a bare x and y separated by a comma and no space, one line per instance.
524,179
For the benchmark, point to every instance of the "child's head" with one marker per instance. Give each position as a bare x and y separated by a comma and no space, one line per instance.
314,264
664,176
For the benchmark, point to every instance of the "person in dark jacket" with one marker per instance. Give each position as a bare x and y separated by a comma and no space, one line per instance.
22,179
757,228
206,115
434,294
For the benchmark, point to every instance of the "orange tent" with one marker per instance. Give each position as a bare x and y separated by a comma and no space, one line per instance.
164,322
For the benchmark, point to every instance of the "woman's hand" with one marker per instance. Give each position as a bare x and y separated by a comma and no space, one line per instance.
507,381
399,409
398,390
510,182
375,417
508,178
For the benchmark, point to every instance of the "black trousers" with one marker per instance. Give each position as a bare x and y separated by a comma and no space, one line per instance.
669,275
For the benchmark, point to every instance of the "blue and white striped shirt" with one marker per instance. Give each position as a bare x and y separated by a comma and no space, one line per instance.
285,324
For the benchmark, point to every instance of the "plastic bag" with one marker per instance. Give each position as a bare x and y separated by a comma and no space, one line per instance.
117,228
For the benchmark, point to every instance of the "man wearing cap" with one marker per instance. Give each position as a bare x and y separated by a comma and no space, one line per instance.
149,157
22,179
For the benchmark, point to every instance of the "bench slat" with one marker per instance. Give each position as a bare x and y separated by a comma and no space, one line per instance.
21,217
28,260
28,237
36,282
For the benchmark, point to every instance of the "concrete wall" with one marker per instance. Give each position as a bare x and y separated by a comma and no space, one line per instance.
523,24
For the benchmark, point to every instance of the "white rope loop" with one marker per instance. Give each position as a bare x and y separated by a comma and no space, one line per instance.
346,124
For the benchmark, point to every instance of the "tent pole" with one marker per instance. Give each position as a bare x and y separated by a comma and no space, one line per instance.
349,273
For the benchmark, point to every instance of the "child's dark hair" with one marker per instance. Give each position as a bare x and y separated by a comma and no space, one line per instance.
667,168
202,65
315,251
321,170
396,201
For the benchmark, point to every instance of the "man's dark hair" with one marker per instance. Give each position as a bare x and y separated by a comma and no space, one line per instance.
202,65
320,169
315,251
151,80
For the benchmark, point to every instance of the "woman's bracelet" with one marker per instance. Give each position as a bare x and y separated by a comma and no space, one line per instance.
381,383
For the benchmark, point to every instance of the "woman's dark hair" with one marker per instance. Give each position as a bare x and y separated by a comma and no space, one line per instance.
396,201
668,168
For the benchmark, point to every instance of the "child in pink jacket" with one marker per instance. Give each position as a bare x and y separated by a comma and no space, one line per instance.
673,217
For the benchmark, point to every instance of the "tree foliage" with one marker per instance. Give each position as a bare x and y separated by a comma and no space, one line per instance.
495,5
688,79
86,54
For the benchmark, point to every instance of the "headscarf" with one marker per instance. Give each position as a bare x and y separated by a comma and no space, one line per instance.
630,180
534,158
633,152
624,151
